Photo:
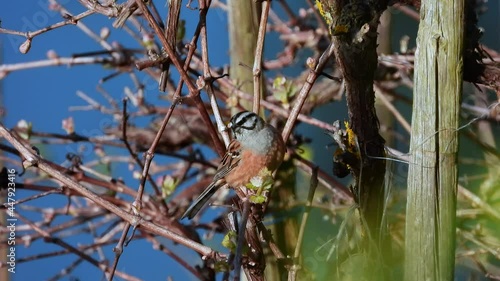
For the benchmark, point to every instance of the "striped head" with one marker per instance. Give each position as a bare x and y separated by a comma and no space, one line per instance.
245,124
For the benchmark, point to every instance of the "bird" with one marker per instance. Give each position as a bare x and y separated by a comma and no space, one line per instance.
255,146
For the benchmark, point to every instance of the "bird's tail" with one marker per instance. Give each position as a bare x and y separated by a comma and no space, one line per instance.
201,200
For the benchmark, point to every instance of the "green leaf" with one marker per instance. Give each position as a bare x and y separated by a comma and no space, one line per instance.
229,240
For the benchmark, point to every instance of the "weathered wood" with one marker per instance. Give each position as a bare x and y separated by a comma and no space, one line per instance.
432,176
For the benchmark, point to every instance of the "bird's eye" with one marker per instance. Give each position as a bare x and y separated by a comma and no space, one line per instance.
244,120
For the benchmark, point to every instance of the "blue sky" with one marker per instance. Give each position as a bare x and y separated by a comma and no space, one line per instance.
43,95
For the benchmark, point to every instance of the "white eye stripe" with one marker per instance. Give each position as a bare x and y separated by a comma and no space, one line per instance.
245,119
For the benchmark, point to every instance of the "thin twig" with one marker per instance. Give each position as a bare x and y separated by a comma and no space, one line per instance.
380,95
207,75
306,88
73,20
194,92
292,273
33,160
137,160
241,239
72,249
259,50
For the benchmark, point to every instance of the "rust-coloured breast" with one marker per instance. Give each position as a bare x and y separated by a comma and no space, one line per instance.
248,167
251,164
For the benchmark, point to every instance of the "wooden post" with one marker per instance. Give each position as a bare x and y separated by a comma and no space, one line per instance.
432,176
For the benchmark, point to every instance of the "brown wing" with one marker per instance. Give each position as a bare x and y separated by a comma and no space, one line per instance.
229,161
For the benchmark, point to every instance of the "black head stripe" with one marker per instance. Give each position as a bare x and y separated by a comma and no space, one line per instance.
245,120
